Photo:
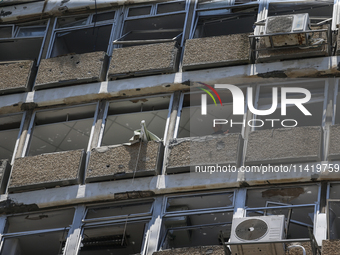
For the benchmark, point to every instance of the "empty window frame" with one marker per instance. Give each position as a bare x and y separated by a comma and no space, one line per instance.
116,228
82,34
316,105
333,210
197,220
27,234
22,41
299,204
61,129
154,23
191,122
10,128
215,18
124,117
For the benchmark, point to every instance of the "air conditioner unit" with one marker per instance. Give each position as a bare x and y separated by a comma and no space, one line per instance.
263,228
287,24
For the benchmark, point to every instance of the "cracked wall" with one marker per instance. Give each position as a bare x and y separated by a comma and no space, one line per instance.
112,162
191,151
71,69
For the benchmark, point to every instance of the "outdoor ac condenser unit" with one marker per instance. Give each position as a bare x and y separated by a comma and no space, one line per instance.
287,24
263,228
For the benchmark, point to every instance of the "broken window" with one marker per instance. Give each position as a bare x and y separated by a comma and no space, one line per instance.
214,18
193,123
25,234
162,22
83,34
61,129
298,204
124,117
9,134
315,105
197,220
116,228
333,211
22,41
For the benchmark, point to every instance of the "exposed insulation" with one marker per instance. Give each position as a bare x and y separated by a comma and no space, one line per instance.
216,51
71,69
15,76
46,170
284,145
186,152
120,161
143,60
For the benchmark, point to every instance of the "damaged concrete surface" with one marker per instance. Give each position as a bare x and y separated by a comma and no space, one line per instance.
334,142
298,251
216,51
280,53
300,144
5,169
46,170
192,151
15,76
71,69
330,247
147,59
112,162
200,250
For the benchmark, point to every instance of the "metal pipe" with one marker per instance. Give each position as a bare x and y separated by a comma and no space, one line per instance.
298,246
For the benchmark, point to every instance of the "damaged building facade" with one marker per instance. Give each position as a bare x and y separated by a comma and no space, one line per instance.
77,78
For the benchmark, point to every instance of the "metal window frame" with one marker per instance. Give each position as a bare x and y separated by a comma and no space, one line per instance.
153,13
89,24
318,99
13,31
30,130
327,214
187,212
231,4
118,218
107,107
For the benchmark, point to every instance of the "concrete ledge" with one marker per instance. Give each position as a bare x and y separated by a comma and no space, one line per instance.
16,76
280,53
284,145
5,169
199,250
216,51
72,69
47,170
207,150
334,142
143,60
114,162
330,247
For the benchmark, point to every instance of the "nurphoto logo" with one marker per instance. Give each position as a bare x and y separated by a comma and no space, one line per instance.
239,104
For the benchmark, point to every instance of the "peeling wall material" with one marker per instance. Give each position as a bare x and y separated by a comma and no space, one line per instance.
330,247
300,144
334,142
144,60
206,150
16,76
280,53
5,169
216,51
47,170
199,250
114,162
72,69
